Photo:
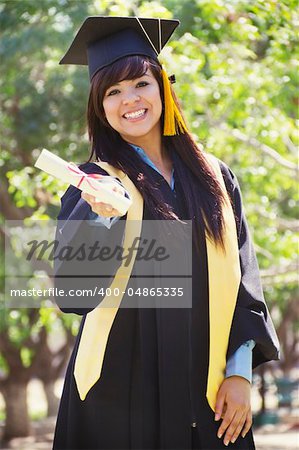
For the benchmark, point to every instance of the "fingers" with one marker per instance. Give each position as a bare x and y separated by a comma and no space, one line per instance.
87,197
100,208
248,423
119,189
235,410
228,420
98,176
233,423
235,428
220,405
104,209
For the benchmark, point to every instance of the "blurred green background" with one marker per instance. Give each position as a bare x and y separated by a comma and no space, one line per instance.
237,77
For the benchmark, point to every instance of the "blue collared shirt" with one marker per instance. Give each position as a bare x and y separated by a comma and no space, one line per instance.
240,363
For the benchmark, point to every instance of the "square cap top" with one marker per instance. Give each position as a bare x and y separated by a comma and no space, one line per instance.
102,40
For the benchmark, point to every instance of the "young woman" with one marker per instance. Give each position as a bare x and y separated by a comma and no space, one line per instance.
158,378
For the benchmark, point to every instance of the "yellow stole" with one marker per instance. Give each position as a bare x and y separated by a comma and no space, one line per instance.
224,279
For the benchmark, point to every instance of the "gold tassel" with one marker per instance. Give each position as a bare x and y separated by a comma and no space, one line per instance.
172,116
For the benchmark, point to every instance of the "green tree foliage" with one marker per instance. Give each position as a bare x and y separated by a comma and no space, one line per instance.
236,69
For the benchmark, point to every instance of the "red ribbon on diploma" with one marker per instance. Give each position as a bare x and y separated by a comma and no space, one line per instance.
84,176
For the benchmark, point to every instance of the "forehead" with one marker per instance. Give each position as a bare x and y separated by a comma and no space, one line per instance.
128,80
126,69
147,74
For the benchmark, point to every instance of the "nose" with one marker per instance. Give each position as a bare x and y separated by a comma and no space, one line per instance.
130,98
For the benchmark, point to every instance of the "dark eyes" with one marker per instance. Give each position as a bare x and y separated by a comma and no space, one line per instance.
140,84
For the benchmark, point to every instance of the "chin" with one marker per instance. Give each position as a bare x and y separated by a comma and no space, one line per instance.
136,133
139,131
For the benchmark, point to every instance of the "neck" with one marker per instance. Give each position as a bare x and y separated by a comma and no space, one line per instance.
152,147
151,144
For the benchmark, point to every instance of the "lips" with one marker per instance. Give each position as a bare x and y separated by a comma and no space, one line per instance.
135,115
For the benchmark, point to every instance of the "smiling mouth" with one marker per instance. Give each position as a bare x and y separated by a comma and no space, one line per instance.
135,115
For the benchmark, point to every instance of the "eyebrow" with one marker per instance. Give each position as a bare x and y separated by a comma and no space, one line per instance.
117,84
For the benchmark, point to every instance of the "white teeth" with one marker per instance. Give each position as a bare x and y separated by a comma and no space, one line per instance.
135,114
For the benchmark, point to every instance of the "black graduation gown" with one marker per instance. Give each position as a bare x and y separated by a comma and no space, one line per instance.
154,376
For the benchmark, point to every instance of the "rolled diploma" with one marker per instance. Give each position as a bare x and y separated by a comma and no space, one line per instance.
70,173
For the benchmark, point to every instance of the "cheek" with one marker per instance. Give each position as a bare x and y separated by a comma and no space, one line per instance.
107,107
156,100
158,107
110,111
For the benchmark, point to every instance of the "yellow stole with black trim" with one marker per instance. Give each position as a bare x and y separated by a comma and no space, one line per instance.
224,279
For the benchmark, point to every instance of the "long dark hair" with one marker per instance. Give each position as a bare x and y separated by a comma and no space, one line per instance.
203,194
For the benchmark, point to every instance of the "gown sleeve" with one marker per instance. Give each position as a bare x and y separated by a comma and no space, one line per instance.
79,272
251,319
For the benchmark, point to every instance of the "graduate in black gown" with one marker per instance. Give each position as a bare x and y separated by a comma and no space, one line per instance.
156,386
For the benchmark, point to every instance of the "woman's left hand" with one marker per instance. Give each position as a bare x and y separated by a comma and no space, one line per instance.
233,405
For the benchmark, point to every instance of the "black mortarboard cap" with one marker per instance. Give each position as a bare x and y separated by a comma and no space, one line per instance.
102,40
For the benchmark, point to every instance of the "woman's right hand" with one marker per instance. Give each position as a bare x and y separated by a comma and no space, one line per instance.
100,208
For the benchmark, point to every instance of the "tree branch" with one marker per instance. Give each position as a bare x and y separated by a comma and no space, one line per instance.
290,145
278,270
7,206
263,252
253,142
287,224
281,222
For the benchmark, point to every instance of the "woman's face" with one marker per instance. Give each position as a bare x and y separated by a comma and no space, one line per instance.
134,107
